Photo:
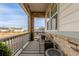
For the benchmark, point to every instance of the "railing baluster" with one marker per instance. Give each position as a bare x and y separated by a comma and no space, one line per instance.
8,44
18,43
15,42
22,41
12,45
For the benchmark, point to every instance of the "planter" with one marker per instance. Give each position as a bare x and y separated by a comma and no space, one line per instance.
4,50
53,52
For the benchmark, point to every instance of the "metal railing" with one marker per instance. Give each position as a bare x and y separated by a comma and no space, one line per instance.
15,43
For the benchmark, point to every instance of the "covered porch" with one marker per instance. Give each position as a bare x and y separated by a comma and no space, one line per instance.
32,43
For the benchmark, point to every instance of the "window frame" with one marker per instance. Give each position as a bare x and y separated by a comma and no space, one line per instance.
52,16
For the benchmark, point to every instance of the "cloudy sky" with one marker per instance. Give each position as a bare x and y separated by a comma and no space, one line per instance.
12,15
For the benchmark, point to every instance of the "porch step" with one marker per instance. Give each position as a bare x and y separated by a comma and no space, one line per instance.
30,49
31,54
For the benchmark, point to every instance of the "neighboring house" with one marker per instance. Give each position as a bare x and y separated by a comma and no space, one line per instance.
17,30
4,29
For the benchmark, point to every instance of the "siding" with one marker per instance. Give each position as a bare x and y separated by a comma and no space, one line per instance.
62,39
69,17
71,34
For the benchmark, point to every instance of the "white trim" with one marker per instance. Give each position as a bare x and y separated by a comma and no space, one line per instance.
39,1
26,44
52,16
22,6
21,49
51,30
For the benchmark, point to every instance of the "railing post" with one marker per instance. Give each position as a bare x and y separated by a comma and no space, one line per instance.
31,36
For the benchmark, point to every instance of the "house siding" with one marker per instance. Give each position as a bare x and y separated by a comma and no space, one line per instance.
68,17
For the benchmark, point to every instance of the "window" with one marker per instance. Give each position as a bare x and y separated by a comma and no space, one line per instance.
49,14
54,23
48,19
53,9
52,17
49,25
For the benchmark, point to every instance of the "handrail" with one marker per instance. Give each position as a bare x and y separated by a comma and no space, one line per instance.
10,37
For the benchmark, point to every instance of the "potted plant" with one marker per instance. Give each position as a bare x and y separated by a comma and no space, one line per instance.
4,50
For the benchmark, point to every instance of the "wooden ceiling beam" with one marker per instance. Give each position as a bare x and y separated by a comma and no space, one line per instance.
38,14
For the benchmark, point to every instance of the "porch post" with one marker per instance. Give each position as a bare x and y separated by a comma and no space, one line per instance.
32,28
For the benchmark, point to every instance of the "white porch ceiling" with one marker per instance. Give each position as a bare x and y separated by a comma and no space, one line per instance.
38,7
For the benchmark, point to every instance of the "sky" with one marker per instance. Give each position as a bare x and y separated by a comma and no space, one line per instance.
39,22
12,15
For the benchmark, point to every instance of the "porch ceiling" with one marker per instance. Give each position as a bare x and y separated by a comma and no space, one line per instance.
38,7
